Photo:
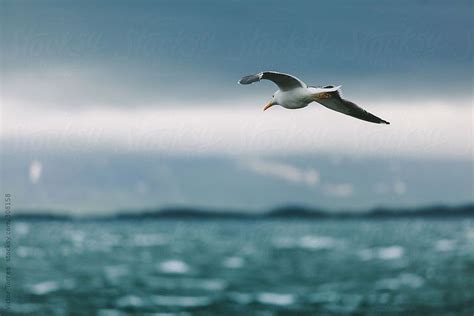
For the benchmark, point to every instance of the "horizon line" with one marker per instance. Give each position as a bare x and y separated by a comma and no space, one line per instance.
282,211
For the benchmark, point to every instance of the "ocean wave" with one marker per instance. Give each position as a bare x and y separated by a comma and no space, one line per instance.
382,253
181,301
25,252
148,240
181,283
309,242
43,288
445,245
265,298
109,312
24,309
318,242
322,297
390,253
240,298
174,267
130,301
233,262
21,229
336,302
208,284
103,243
275,299
115,273
403,280
77,237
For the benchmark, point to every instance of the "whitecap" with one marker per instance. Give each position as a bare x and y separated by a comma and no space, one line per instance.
78,237
275,299
181,301
130,301
44,287
174,267
310,242
390,253
201,284
383,253
21,228
445,245
317,242
212,284
233,262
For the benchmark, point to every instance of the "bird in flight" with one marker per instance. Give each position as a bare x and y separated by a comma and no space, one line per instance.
295,94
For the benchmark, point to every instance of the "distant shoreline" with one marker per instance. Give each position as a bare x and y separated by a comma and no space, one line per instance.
285,212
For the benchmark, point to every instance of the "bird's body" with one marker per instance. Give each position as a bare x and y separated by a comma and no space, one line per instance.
293,99
295,94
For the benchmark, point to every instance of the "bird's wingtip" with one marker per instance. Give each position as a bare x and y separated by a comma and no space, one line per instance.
385,122
250,79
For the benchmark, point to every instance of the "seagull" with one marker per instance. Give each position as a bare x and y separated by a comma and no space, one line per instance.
295,94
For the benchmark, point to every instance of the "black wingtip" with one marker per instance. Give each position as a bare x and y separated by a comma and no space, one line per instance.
249,79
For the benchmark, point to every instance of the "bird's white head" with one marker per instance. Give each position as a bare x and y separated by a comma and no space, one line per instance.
273,101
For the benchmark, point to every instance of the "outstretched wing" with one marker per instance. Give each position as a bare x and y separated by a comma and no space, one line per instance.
283,81
333,101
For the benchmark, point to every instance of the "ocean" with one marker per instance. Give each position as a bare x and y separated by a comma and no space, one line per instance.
403,266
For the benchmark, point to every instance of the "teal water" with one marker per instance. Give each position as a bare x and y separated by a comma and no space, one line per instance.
242,267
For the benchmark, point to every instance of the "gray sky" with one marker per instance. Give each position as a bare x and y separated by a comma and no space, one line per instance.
112,106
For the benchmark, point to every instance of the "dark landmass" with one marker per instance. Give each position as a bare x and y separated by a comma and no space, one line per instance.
284,212
38,216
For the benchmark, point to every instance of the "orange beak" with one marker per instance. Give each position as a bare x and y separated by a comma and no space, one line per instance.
269,105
